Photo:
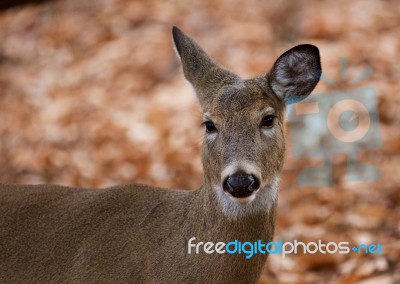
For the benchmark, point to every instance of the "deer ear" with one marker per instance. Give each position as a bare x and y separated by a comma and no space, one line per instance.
295,73
195,62
199,69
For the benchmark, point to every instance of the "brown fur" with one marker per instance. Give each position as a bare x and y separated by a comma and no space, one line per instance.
139,234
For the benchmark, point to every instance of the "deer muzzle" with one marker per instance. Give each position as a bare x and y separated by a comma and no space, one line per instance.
241,184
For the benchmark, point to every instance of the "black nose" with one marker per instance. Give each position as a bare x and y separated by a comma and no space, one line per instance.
241,185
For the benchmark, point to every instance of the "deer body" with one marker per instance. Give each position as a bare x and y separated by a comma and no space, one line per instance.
63,235
140,234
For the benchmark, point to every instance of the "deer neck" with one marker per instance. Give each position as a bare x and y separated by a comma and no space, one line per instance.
212,223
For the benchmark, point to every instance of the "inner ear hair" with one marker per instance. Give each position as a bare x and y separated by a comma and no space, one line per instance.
295,73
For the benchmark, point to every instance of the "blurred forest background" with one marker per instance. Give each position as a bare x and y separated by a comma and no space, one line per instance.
92,95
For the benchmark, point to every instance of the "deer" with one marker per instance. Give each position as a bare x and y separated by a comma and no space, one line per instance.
142,234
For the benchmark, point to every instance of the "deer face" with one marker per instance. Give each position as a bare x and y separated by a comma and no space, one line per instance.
243,149
244,141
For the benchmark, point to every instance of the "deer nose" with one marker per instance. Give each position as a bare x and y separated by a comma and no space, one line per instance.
241,185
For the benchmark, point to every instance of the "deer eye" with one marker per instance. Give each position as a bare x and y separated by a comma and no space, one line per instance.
268,121
210,126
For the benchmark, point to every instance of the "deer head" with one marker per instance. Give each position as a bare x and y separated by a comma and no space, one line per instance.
244,145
